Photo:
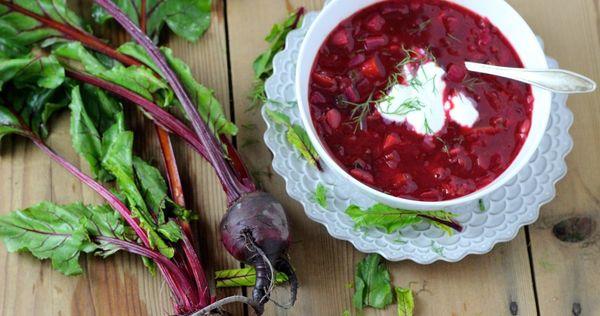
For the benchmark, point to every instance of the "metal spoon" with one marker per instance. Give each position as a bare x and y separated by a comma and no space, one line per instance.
555,80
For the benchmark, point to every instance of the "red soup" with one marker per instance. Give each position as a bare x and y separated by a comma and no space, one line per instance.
360,58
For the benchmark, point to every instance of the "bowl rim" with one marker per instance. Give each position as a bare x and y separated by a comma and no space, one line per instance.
541,105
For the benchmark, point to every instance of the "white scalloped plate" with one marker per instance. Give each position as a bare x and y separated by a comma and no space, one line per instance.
507,209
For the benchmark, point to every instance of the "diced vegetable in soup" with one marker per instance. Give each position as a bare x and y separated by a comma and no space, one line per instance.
390,97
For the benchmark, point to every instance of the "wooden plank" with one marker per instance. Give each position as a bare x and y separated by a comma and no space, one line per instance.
119,285
565,272
478,285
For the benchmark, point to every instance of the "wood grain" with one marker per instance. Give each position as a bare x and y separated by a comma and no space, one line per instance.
479,285
565,272
119,285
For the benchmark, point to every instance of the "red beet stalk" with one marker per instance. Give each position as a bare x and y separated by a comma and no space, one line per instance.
255,228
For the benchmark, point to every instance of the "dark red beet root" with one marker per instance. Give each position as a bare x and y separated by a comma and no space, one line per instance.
255,231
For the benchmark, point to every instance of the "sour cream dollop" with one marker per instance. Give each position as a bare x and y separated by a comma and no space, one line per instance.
420,101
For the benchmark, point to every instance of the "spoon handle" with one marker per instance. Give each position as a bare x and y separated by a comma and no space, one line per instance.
555,80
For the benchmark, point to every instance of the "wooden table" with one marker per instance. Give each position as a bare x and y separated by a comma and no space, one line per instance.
534,274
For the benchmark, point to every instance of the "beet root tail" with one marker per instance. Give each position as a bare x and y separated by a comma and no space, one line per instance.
264,278
284,266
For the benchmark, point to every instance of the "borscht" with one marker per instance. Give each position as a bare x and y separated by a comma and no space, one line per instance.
394,105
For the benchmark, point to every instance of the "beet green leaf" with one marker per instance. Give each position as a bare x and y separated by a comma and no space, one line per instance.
392,219
60,232
242,277
19,31
372,283
186,18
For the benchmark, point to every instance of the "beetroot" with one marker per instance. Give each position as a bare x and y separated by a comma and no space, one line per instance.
255,228
255,231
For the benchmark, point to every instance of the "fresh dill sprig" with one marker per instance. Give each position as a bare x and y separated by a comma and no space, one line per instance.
360,111
420,27
470,83
406,107
428,129
445,147
454,38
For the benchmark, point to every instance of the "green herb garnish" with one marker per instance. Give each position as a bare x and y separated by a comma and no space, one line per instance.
242,277
321,195
372,283
361,110
392,219
263,64
481,205
406,301
420,27
296,136
470,83
454,38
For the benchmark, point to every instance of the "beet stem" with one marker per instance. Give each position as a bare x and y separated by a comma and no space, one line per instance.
73,33
177,279
95,43
159,115
115,203
106,194
450,223
233,187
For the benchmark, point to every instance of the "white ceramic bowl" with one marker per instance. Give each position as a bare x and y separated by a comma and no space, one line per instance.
500,14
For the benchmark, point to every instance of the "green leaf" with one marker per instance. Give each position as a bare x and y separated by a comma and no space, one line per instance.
9,123
151,183
75,51
263,64
299,139
101,107
406,302
278,118
209,107
138,52
372,284
242,277
59,233
18,31
481,205
138,79
86,139
187,18
36,105
171,231
44,72
117,145
382,216
392,219
321,195
296,136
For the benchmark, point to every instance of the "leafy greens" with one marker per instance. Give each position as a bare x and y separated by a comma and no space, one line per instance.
372,283
263,64
296,136
392,219
187,18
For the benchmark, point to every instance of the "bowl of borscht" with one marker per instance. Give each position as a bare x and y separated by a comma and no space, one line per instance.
388,104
